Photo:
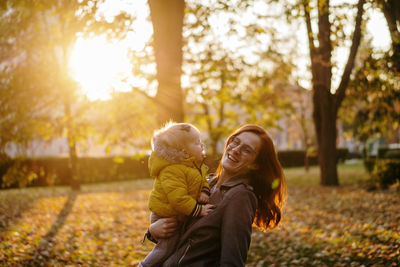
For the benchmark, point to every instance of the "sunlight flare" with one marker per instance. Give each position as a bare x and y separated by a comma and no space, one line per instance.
99,66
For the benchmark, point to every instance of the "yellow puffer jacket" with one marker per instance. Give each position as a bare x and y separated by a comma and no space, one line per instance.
176,187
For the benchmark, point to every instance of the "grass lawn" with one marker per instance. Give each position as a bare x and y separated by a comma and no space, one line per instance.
103,224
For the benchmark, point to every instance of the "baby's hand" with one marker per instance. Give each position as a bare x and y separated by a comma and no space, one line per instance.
203,198
206,209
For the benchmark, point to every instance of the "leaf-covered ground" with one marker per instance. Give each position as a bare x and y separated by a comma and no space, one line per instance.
103,225
332,226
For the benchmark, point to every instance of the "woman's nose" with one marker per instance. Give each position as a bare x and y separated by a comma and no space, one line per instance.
236,149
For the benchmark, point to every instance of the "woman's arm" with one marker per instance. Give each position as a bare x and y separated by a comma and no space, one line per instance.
236,228
163,228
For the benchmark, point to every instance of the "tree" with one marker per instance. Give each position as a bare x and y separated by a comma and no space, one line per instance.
372,105
223,89
125,128
22,105
167,17
211,89
44,37
326,103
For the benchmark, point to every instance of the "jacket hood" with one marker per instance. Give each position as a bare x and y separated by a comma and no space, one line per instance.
157,164
163,150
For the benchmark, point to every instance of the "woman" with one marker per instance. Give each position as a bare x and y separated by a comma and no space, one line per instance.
248,187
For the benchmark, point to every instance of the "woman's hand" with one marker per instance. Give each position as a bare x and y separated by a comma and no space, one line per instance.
206,209
163,228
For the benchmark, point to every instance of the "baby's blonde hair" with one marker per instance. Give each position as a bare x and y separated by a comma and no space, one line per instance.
169,141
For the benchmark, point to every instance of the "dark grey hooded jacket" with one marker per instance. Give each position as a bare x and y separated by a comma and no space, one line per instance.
222,238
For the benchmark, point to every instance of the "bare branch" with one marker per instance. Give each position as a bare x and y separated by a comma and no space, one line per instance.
340,92
310,34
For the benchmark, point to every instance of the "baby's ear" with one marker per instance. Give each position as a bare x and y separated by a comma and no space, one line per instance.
185,154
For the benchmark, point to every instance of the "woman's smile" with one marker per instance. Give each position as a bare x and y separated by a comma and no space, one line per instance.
232,158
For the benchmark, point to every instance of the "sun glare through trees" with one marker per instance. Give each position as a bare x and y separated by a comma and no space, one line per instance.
99,66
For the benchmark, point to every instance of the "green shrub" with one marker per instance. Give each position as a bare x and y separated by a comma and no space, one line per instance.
354,155
382,150
295,158
55,170
386,172
342,154
383,153
5,163
369,164
392,154
19,174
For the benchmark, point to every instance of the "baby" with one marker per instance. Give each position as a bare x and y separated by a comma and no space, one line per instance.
180,188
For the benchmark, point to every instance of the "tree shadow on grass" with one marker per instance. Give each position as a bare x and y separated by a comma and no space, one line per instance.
45,249
14,203
41,255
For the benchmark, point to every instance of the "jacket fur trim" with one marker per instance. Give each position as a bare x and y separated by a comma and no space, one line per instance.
166,152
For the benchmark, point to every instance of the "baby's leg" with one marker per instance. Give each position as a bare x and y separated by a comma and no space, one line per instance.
162,250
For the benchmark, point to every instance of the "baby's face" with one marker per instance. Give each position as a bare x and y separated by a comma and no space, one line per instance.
195,148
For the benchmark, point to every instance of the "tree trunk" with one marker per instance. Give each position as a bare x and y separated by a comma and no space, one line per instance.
213,138
303,125
326,104
306,163
73,165
167,17
306,156
214,149
325,127
324,108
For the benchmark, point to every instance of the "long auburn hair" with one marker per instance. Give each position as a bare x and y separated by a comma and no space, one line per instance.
267,180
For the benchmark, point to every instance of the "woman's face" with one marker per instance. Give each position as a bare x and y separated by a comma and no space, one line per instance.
241,153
